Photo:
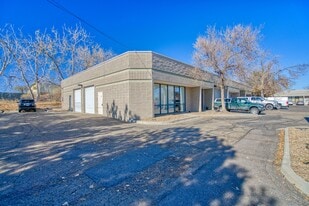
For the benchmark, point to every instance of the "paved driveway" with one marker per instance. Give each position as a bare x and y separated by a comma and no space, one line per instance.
74,159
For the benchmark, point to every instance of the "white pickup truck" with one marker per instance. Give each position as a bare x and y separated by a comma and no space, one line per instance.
268,104
283,101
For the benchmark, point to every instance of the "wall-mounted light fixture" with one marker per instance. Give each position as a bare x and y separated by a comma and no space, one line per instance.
80,85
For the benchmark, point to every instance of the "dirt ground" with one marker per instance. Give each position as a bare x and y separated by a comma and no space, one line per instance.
299,151
280,149
12,105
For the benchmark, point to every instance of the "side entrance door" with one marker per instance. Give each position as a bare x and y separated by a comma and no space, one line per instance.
100,102
77,100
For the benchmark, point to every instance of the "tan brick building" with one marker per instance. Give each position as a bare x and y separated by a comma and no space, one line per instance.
138,85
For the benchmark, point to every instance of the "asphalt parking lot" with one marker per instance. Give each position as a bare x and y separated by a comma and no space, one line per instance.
54,158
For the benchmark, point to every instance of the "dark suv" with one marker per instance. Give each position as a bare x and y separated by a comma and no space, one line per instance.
26,105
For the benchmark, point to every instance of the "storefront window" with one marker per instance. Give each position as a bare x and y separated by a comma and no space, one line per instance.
177,99
169,99
182,99
163,99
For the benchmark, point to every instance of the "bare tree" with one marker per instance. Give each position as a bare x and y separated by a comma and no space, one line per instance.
87,57
5,49
19,52
269,78
227,53
46,57
21,89
73,51
262,80
27,61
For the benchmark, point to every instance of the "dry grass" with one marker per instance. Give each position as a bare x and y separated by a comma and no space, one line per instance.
299,151
280,148
8,105
11,105
42,105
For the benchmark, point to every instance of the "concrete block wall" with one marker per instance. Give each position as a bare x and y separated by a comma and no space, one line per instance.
110,67
141,99
121,79
140,60
65,94
193,99
207,99
166,64
115,100
188,100
167,78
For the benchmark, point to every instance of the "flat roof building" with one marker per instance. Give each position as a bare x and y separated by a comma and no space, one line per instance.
295,96
139,85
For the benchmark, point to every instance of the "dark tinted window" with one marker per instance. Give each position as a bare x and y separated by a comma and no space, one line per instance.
27,101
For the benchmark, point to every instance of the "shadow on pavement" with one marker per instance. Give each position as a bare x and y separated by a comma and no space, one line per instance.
54,159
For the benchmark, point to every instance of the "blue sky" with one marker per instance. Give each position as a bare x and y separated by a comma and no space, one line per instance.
171,27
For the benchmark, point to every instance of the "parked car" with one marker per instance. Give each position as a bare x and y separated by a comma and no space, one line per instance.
240,104
282,101
269,104
300,103
26,105
218,104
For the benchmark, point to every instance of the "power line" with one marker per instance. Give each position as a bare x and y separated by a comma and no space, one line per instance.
59,6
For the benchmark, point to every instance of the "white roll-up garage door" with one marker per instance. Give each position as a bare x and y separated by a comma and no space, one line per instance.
89,100
77,100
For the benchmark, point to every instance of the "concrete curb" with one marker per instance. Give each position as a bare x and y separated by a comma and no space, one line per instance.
152,122
286,169
171,122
